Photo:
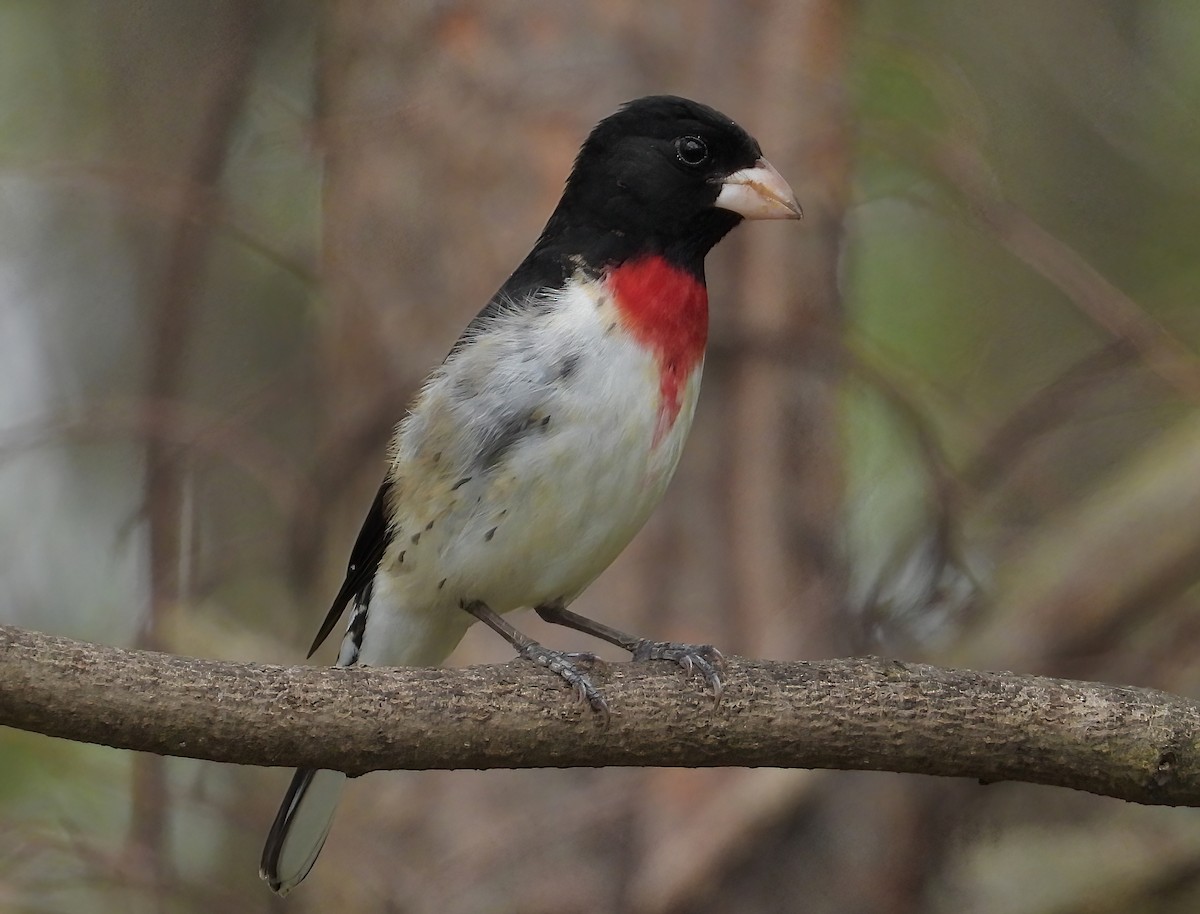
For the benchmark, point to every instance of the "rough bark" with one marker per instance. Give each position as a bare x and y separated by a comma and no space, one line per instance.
863,713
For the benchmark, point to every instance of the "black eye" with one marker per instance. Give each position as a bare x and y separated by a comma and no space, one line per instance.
691,150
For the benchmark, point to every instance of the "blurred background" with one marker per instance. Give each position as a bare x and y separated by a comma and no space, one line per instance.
952,416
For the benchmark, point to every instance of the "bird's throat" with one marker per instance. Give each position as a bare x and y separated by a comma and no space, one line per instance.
665,308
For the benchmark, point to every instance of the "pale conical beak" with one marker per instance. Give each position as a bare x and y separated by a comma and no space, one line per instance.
758,192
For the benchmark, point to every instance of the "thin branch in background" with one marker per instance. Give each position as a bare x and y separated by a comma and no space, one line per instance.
934,554
166,196
185,430
1056,261
1045,409
948,495
1144,606
172,316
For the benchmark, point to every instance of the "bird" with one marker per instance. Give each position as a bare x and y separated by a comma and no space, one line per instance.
539,447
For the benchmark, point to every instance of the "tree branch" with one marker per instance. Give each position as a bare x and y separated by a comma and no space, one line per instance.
865,713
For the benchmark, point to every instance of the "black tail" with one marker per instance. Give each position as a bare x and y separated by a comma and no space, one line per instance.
300,827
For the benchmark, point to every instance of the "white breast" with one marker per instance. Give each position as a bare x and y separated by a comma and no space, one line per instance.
526,466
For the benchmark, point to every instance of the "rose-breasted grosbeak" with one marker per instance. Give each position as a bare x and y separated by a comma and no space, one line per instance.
538,449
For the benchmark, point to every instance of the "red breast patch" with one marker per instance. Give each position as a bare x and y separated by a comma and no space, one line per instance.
666,309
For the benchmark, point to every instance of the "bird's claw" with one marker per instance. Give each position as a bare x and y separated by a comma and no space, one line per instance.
703,659
582,656
563,665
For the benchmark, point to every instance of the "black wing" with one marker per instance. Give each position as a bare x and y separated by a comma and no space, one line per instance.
368,550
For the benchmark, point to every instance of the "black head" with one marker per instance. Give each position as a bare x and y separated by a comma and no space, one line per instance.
654,178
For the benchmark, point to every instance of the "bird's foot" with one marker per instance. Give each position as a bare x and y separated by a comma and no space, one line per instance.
703,659
564,665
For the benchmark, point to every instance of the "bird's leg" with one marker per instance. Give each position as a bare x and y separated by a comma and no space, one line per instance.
699,658
559,662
